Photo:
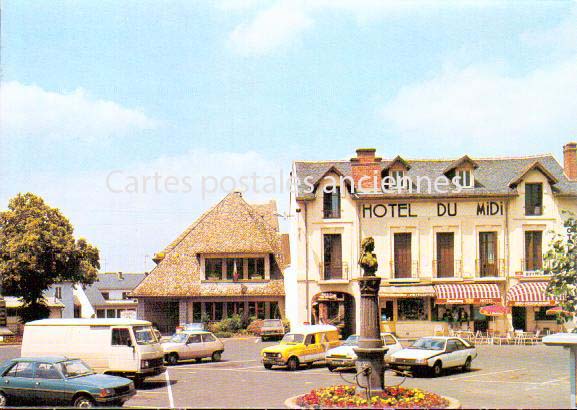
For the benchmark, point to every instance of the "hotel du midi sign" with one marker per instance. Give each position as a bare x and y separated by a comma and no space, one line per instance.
413,210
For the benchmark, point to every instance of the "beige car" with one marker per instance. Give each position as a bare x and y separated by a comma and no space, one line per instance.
195,344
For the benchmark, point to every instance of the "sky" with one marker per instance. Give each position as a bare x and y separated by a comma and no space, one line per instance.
134,117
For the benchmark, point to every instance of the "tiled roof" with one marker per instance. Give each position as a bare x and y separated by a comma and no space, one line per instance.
231,226
492,176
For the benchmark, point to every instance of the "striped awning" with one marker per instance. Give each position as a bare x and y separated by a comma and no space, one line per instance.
467,294
406,291
529,294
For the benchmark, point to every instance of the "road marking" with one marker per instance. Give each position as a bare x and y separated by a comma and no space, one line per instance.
485,374
169,389
207,365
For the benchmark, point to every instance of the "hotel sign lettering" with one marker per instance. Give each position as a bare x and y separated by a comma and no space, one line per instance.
412,210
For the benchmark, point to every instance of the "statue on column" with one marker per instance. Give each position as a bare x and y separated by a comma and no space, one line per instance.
368,259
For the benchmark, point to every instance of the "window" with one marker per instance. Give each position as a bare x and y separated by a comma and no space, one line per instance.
452,346
533,250
21,369
412,309
274,310
233,268
213,268
488,263
402,252
112,313
332,202
465,178
101,313
207,338
125,295
58,292
309,339
333,261
121,337
255,268
399,179
533,199
194,339
541,314
389,340
106,295
47,371
260,310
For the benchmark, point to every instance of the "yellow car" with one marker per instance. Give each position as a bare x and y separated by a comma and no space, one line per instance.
304,345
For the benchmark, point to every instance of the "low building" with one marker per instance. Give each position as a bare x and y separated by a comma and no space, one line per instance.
229,261
13,304
109,296
442,253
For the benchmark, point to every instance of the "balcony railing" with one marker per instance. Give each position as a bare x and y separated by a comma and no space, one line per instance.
332,271
331,213
535,272
413,274
494,268
439,272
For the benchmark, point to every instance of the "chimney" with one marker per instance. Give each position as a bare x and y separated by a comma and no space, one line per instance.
366,170
570,160
120,276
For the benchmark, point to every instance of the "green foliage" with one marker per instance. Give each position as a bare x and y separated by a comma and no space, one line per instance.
561,263
255,326
223,335
38,249
231,324
368,259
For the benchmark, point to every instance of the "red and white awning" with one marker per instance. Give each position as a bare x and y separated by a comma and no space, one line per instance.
529,294
467,294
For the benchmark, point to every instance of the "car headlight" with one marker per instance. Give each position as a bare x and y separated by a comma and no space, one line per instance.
421,361
279,355
389,359
131,386
106,392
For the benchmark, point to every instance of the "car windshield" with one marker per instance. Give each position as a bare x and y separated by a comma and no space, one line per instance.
74,368
293,338
428,344
352,340
271,323
179,338
144,335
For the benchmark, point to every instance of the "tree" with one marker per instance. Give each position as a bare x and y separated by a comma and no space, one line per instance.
561,263
37,250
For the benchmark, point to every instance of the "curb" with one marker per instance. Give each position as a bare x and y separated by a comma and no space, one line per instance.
291,403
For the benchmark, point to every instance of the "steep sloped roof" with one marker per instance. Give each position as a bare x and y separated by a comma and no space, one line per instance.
231,226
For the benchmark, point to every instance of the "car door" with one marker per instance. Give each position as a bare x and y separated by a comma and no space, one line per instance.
193,347
461,354
18,382
451,354
123,355
210,345
49,384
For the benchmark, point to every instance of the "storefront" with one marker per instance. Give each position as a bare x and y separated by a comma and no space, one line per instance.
458,305
529,304
406,310
337,309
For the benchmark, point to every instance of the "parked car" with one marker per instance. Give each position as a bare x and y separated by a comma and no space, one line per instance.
344,356
434,354
192,344
272,328
304,345
123,347
59,381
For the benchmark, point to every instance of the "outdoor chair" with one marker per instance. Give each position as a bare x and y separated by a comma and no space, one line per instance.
536,338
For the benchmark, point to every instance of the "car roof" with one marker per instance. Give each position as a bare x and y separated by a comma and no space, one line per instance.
43,359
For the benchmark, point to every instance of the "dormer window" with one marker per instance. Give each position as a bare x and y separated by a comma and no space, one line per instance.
399,180
465,178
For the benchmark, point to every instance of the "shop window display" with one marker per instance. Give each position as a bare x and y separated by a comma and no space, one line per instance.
412,309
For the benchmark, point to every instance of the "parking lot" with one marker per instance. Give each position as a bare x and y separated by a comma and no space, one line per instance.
502,376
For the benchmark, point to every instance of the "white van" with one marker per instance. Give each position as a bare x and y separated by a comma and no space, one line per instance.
122,347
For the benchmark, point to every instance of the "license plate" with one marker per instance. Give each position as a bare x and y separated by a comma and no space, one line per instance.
338,362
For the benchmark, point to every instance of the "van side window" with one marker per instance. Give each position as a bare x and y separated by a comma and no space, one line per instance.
121,337
22,369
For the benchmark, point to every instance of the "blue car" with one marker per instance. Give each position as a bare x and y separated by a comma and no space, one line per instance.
59,381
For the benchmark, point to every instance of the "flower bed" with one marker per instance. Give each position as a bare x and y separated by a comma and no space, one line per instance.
392,397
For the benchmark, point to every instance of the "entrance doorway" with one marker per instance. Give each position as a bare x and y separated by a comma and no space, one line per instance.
337,309
519,318
488,254
445,254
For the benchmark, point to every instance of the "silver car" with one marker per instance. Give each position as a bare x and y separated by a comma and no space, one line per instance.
192,344
345,356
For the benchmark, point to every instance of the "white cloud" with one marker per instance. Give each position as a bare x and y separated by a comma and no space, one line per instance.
485,108
271,28
28,110
276,24
127,226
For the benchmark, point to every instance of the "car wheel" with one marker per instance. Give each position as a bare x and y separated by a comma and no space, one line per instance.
437,369
83,402
138,381
263,339
293,364
332,368
467,365
216,356
3,400
268,366
172,359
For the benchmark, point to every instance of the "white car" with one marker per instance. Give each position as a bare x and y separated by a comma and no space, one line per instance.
434,354
192,344
344,355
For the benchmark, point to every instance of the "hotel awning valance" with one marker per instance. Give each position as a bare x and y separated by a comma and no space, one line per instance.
406,291
467,294
529,294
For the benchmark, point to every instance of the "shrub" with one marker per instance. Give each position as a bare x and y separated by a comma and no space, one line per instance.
254,327
223,335
231,324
